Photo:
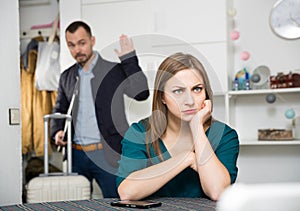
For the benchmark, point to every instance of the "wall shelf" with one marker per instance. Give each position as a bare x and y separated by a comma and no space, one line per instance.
231,104
255,142
264,91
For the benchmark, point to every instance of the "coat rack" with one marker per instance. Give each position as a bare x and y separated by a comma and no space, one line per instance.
45,30
29,34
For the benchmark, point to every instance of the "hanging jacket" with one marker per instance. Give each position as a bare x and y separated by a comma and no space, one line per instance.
34,105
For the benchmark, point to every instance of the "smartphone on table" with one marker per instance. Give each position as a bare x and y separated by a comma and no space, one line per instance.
136,204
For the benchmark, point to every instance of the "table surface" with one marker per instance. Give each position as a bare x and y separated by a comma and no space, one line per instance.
168,204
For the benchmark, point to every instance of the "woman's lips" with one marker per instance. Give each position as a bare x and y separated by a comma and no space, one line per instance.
190,111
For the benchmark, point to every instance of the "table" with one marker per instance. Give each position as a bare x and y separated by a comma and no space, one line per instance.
168,204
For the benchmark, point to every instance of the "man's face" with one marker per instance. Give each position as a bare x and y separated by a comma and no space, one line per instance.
80,45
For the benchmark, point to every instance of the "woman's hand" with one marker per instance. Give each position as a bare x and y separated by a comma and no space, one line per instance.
201,117
193,161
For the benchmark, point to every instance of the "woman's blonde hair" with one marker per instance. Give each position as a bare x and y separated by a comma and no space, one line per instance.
157,123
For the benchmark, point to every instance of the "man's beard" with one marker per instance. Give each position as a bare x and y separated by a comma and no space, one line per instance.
82,59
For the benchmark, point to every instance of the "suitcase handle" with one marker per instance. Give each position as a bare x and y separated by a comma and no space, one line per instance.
57,116
69,144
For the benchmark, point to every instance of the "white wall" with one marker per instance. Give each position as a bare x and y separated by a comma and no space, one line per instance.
10,135
71,12
256,37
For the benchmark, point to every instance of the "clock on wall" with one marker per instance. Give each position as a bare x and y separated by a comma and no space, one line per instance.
285,19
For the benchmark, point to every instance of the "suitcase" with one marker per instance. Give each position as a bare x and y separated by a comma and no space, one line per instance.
66,186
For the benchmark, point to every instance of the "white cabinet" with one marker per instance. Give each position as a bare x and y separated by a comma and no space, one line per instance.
110,19
191,20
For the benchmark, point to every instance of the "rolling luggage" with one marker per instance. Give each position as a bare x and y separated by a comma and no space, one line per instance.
66,186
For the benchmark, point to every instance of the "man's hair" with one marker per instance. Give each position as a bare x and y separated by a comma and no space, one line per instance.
76,24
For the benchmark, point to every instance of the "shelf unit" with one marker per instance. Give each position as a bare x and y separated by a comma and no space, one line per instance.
263,91
270,142
230,97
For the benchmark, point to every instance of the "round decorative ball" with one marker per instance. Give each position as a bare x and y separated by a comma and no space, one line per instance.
270,98
290,113
234,35
244,55
255,78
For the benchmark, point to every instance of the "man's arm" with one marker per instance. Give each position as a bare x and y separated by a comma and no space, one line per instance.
136,81
61,106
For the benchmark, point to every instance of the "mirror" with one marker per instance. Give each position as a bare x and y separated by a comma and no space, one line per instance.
285,19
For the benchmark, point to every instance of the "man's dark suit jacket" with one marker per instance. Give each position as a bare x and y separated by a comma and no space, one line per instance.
110,83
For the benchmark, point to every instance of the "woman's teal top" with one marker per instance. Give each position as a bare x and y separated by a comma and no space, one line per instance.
223,139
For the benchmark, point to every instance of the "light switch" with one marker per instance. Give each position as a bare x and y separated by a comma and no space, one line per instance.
14,116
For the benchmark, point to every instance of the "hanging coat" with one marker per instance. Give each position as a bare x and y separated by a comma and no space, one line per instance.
34,105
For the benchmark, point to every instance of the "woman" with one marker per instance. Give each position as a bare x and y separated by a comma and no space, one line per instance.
180,151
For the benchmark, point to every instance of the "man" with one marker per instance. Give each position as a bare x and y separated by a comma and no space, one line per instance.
98,114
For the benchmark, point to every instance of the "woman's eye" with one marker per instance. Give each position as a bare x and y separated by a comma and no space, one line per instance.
177,91
197,89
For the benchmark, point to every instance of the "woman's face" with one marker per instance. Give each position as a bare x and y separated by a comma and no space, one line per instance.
184,94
